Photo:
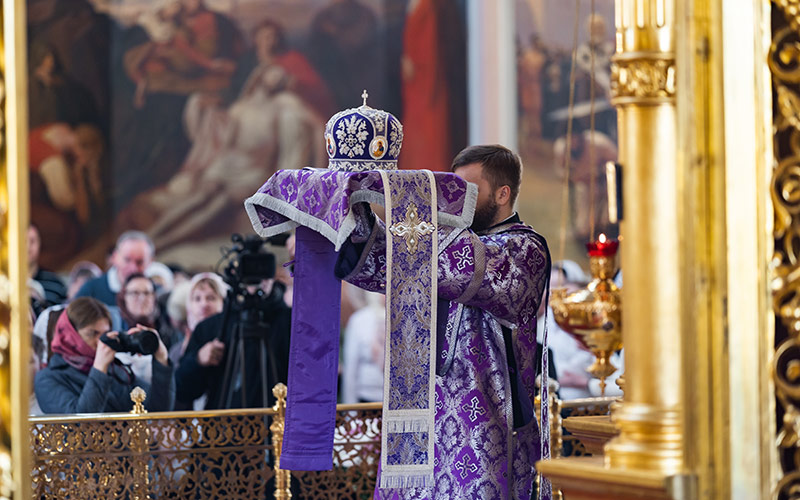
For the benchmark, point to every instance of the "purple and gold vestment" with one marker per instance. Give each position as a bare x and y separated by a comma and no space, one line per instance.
488,283
489,288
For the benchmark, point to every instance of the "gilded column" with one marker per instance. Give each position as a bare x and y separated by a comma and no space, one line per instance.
643,90
14,315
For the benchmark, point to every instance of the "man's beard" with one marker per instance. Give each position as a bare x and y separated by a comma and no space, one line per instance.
484,216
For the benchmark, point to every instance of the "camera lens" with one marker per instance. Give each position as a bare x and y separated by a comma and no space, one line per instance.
146,341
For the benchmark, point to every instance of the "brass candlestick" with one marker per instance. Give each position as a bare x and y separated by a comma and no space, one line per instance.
593,315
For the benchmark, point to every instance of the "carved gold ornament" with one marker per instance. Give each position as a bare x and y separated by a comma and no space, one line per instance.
645,78
784,64
411,228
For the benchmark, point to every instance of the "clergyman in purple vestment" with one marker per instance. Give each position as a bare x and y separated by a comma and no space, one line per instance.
491,280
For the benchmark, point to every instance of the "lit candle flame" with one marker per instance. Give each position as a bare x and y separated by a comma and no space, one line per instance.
601,238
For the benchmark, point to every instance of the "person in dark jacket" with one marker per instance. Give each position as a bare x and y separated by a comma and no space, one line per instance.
199,374
132,254
83,376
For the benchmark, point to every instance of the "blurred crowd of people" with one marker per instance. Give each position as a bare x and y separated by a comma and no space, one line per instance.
76,372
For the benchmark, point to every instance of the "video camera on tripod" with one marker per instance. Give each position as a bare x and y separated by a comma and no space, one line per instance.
247,318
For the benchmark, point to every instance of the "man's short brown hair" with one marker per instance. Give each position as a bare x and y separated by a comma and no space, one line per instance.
501,166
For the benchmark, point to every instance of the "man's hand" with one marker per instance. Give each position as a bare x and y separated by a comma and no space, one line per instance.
211,353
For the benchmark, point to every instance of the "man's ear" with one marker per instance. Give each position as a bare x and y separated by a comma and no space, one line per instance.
503,195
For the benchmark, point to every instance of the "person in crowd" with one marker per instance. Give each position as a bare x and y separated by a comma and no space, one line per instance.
36,293
137,306
137,303
80,273
364,345
83,375
54,290
175,307
205,298
46,320
179,274
162,277
132,254
35,364
491,281
201,371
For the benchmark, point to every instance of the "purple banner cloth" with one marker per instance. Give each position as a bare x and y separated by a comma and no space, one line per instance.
313,356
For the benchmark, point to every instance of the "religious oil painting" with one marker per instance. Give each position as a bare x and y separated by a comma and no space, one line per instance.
164,115
552,37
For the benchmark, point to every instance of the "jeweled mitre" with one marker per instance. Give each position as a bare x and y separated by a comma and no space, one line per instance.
363,138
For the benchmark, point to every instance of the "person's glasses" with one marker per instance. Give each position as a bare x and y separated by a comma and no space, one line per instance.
139,295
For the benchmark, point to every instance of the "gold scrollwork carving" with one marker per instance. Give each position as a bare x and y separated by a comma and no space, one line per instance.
784,63
784,55
791,9
643,79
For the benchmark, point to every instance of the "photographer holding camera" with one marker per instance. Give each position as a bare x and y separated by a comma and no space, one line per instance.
234,358
83,376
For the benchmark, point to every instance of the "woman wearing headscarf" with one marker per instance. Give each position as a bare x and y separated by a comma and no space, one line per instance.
83,375
205,298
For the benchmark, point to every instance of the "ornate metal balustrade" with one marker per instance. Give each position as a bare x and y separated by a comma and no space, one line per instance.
226,454
356,454
213,454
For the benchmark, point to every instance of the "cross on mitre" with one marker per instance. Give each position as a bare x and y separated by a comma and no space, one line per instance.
364,96
411,228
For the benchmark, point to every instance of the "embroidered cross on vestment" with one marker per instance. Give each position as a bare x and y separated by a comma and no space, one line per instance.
411,228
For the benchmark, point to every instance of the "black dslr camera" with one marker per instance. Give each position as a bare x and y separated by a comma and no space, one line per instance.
141,342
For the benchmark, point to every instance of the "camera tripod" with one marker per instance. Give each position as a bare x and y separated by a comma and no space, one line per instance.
248,352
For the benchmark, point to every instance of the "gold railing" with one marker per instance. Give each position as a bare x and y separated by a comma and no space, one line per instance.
224,454
201,454
356,453
231,454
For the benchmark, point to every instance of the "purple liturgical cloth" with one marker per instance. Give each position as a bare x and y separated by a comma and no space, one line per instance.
407,442
319,201
313,356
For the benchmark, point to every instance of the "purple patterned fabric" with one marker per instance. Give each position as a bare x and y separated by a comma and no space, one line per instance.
494,280
408,402
313,356
321,199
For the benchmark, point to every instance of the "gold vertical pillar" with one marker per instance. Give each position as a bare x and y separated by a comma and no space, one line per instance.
15,327
692,91
643,90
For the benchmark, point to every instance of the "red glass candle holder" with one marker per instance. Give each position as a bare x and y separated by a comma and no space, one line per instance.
603,247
